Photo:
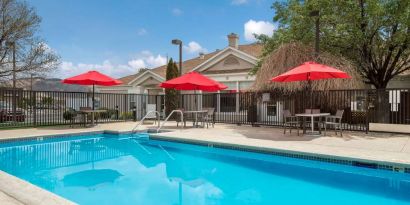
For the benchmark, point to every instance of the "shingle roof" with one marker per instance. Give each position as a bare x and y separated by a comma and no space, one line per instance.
254,49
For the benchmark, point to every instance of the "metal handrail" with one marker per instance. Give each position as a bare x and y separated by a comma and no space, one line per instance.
170,114
142,120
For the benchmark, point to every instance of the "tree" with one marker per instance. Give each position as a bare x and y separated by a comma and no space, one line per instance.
171,95
19,25
373,34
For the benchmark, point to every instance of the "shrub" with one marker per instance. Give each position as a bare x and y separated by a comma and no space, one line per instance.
126,115
69,114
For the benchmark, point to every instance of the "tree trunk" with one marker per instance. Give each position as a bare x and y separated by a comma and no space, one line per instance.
382,106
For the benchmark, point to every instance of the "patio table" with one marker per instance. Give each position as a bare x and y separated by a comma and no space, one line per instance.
196,112
312,116
86,112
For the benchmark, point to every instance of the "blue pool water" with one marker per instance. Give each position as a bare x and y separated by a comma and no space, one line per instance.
121,169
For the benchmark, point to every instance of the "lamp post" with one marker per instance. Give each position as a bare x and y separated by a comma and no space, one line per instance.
315,13
179,42
12,45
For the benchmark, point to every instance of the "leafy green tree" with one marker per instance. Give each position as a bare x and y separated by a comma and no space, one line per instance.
171,95
374,34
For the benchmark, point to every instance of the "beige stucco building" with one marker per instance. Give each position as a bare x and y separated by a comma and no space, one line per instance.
231,66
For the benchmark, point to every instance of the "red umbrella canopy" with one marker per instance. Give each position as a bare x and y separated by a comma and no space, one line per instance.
193,81
92,78
310,71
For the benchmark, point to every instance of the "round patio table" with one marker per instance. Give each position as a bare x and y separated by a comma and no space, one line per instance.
196,112
312,116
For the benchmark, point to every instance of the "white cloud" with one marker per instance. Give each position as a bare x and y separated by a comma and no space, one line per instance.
142,31
257,27
137,64
176,12
239,2
144,59
194,47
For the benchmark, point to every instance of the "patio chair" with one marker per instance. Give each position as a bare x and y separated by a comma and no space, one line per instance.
209,117
290,121
335,120
178,118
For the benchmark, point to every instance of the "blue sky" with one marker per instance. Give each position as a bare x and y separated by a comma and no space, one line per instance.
119,36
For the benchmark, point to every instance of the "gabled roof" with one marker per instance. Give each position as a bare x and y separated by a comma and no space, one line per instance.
253,50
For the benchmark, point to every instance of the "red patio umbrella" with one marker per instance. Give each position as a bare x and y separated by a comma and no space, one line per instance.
92,78
310,71
193,81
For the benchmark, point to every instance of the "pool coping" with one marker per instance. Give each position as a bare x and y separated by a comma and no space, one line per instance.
23,192
345,160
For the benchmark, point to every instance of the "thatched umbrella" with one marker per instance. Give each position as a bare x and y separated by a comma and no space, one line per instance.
290,55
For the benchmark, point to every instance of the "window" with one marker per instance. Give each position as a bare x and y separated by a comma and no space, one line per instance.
228,102
271,109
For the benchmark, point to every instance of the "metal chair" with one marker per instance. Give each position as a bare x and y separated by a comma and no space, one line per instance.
178,119
291,121
209,117
335,120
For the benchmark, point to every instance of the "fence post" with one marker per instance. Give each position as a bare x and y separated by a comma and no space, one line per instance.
367,112
34,107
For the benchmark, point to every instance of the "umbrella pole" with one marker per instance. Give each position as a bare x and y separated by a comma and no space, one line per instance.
92,113
93,96
311,94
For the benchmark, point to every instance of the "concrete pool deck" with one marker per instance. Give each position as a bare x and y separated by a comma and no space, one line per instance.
376,147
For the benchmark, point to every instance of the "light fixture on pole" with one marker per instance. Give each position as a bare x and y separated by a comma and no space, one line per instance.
12,45
179,42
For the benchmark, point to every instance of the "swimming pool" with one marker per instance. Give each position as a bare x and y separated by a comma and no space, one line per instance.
131,169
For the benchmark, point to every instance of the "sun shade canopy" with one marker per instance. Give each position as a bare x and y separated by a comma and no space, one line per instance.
193,81
92,78
309,71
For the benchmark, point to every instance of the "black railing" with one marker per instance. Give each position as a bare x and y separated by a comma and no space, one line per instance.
19,108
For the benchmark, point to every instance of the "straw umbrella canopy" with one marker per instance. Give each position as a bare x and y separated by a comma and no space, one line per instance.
288,56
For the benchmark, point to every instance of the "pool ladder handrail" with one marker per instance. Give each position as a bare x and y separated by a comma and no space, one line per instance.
157,114
170,114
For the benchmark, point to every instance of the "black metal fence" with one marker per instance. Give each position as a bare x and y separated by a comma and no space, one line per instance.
19,108
361,107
